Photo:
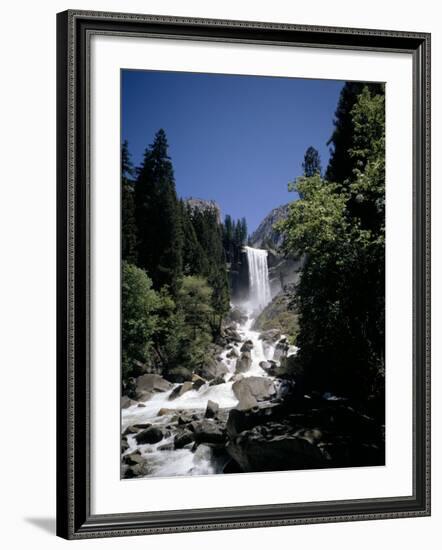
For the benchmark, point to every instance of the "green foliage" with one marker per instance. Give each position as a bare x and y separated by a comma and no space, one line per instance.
339,228
312,163
139,304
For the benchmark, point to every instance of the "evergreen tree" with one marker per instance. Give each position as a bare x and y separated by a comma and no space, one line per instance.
342,164
128,224
158,216
312,163
195,260
210,236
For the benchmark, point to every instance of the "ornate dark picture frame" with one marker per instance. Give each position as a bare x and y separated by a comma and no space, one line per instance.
74,31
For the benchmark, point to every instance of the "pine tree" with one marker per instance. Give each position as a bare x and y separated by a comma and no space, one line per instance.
342,164
128,224
158,216
312,163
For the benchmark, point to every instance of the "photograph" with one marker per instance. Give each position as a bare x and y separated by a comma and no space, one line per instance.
252,274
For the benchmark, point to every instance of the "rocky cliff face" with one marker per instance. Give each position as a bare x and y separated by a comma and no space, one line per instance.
266,236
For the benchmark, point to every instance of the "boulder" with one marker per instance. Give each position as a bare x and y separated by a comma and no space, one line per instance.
124,445
152,383
247,346
181,390
281,349
198,382
142,426
164,411
133,458
144,395
149,435
250,390
179,375
212,409
231,334
130,430
233,354
183,439
212,369
244,363
239,421
259,451
126,402
208,431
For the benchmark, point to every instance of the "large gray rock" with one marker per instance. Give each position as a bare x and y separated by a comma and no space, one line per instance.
152,383
181,390
244,362
126,402
149,435
209,431
247,346
212,409
250,390
213,369
281,349
258,451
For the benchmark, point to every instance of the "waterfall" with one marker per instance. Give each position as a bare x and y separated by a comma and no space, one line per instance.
259,287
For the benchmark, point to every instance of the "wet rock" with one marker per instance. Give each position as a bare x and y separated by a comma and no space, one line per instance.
126,402
181,390
208,431
217,381
250,390
133,458
130,430
232,335
247,346
213,369
141,426
198,381
239,421
244,363
179,375
183,439
281,349
166,447
233,354
141,405
212,409
164,411
124,445
144,395
152,383
150,435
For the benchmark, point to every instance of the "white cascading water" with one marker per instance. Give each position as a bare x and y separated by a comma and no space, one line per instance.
259,286
164,462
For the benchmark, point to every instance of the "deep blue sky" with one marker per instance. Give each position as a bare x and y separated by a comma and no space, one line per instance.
237,140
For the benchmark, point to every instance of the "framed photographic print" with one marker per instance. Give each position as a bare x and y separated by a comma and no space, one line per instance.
243,274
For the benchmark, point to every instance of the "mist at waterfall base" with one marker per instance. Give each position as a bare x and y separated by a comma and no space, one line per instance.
164,461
